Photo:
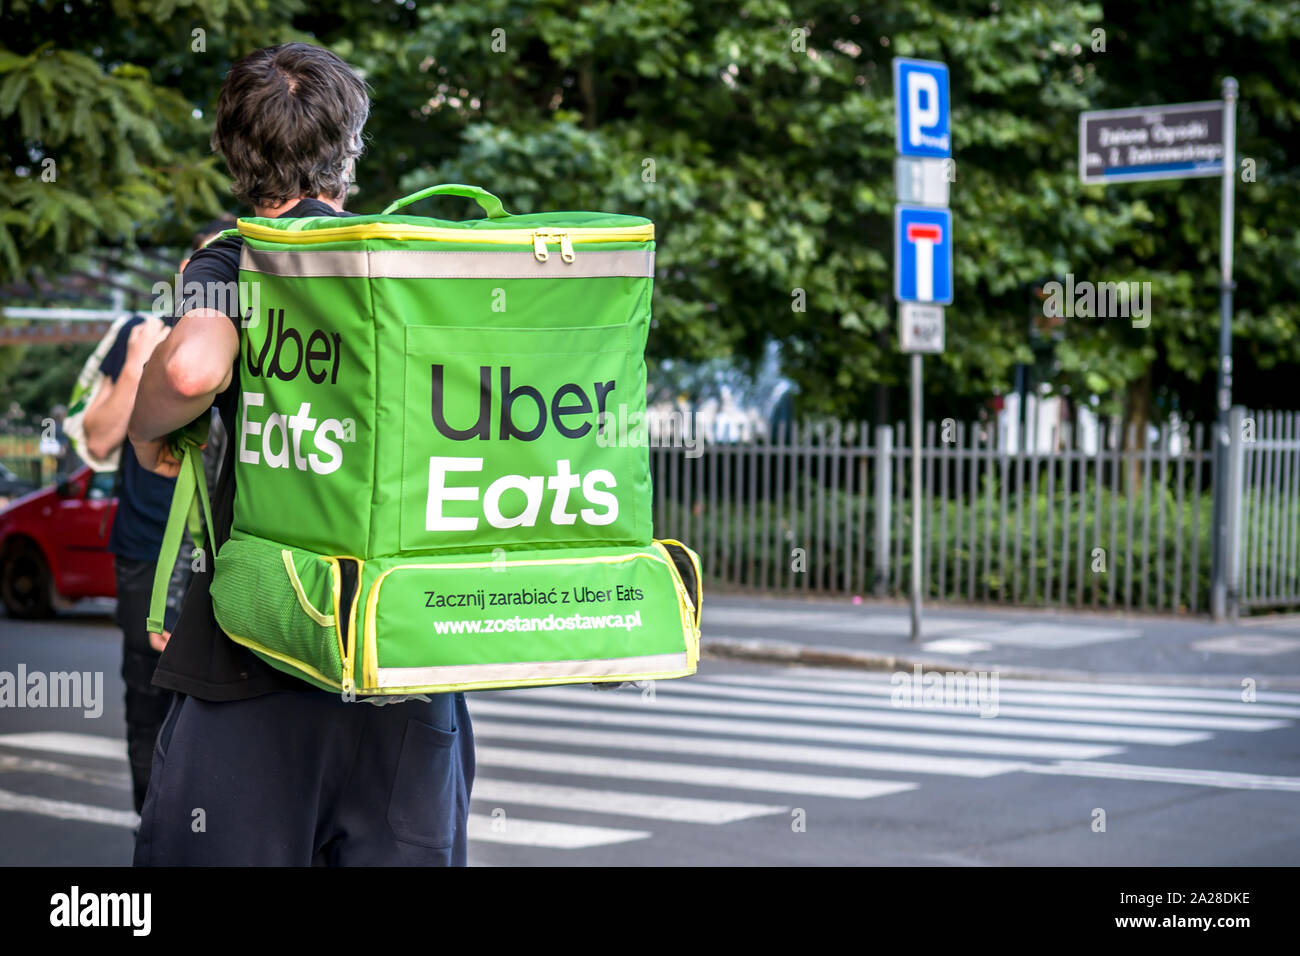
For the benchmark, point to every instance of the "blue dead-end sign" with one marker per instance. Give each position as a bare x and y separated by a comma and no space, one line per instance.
922,255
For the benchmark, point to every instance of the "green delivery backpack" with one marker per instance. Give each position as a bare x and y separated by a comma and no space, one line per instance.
431,494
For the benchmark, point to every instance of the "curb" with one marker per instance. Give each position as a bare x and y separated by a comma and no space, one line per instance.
781,652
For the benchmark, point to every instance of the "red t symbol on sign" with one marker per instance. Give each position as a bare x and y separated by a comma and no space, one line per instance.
924,236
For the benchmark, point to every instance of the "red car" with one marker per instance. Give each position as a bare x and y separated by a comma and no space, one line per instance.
54,545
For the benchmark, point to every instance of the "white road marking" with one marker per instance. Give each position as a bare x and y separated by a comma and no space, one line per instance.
1130,718
1053,636
890,761
648,805
553,836
66,810
1257,645
503,706
83,745
957,645
891,717
101,778
1009,694
1200,778
822,678
701,775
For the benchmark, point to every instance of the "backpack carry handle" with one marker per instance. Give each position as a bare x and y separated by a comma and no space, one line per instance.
491,204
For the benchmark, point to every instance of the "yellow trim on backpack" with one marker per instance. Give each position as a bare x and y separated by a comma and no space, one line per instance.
699,576
386,230
530,682
686,609
324,620
347,654
283,658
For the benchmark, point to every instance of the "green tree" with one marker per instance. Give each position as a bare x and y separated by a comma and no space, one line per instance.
759,137
104,123
769,129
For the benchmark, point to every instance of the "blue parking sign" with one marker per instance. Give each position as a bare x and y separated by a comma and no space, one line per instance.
921,108
922,254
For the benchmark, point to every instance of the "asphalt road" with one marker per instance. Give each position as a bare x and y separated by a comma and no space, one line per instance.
751,764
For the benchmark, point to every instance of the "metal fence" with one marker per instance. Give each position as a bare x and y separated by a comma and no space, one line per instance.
20,453
1072,517
1266,480
1080,519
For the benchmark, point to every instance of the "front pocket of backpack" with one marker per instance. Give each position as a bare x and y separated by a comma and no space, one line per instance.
468,623
281,603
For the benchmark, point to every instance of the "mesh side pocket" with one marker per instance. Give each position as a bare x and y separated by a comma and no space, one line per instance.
687,563
280,603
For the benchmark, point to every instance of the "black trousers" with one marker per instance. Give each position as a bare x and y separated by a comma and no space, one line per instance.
146,705
303,778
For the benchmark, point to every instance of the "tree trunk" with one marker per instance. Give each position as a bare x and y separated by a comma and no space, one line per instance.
1137,416
587,83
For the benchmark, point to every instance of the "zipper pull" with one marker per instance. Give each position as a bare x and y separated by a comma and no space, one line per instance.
539,247
566,248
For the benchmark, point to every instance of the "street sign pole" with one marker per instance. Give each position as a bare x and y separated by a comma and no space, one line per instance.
923,275
1178,141
1222,601
920,330
916,496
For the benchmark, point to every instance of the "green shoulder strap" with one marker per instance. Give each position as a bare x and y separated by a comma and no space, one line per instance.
223,234
184,510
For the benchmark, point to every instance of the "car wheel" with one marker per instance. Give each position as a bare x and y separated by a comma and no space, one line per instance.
25,583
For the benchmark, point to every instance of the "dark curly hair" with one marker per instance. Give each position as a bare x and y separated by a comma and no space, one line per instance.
289,122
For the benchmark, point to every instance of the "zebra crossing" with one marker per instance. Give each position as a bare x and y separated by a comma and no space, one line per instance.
768,741
571,768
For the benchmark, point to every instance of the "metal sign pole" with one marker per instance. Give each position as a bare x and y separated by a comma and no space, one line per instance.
1219,596
923,277
1102,159
916,496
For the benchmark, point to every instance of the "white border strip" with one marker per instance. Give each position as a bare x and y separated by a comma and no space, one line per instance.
529,670
445,264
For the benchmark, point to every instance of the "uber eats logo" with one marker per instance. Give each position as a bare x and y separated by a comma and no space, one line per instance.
524,414
508,444
292,439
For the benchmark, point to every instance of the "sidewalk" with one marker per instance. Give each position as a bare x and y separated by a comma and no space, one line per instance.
1035,644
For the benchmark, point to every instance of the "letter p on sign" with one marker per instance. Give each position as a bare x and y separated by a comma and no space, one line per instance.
921,105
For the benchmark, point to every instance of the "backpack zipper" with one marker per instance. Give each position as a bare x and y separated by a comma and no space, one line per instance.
540,239
537,238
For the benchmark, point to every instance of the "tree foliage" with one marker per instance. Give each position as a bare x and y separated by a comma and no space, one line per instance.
758,135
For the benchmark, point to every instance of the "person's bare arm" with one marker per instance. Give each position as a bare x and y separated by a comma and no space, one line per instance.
105,420
191,367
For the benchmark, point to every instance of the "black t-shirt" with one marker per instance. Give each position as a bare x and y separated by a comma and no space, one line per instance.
145,497
200,660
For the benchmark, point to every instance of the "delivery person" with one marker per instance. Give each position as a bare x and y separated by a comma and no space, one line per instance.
143,499
142,502
254,766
